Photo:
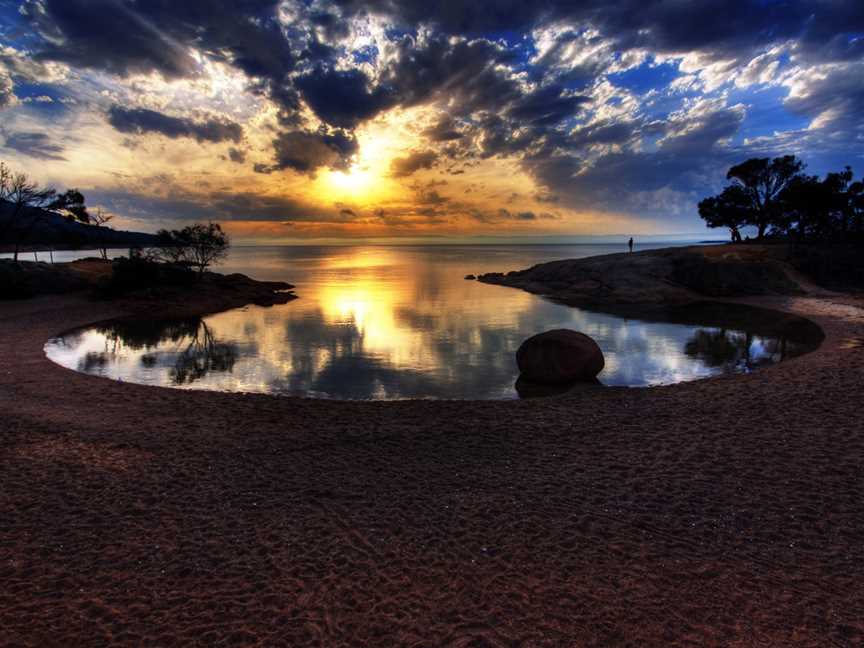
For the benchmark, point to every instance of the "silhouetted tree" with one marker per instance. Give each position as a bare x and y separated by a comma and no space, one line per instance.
28,205
71,205
821,210
731,208
198,246
25,199
100,219
762,180
805,208
856,208
775,194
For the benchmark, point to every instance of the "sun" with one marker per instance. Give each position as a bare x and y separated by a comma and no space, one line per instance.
361,183
356,180
368,176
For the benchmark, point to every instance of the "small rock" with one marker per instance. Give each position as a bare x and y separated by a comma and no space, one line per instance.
470,277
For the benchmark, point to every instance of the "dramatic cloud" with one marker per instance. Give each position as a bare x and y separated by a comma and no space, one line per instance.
503,214
236,155
341,98
139,121
445,130
35,145
831,96
173,203
7,92
630,110
127,38
306,152
404,166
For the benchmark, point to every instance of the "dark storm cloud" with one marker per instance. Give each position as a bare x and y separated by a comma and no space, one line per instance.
342,98
179,205
495,135
836,96
707,25
158,34
445,130
603,132
460,16
469,74
236,155
832,32
155,36
700,133
404,166
142,120
307,151
500,215
475,80
84,33
688,158
127,38
546,106
36,145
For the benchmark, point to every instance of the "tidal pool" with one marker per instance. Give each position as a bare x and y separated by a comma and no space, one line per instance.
398,322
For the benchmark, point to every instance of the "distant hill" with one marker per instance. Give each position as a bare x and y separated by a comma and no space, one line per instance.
53,230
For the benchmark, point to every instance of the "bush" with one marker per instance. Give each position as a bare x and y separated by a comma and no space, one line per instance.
135,274
197,246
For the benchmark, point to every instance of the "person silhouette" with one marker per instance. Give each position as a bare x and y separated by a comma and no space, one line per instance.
630,243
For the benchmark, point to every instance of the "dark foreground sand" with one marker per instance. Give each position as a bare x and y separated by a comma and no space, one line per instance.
725,512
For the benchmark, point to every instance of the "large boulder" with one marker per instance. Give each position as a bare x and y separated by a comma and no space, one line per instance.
559,356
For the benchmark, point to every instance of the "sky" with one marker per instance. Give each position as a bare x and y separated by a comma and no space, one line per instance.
450,120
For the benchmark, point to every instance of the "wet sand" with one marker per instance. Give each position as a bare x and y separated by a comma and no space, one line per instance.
723,512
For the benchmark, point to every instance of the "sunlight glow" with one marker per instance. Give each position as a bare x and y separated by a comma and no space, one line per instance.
368,178
355,181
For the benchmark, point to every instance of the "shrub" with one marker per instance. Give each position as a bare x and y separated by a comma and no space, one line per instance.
135,274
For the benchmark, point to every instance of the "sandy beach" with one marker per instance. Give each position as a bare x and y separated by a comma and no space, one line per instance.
722,512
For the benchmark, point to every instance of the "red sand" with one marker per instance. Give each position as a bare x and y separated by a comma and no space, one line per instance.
724,512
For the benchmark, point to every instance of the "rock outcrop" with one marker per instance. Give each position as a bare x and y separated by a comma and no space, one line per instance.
666,276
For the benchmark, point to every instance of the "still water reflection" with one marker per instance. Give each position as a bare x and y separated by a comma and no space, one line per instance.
401,322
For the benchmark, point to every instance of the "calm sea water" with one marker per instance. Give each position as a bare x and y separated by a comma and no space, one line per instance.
391,322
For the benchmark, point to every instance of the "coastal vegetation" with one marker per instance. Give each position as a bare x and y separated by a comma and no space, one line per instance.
30,214
35,217
779,200
100,218
26,204
197,246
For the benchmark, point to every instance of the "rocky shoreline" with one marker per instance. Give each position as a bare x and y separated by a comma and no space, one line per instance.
214,293
208,293
668,276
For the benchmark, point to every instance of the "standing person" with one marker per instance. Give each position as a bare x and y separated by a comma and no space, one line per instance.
630,243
